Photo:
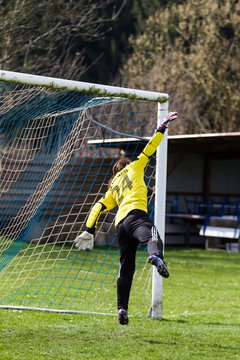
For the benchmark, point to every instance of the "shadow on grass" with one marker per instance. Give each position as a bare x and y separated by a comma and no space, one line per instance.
200,322
199,345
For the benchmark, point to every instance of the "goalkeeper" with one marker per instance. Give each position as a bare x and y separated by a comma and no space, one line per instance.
128,191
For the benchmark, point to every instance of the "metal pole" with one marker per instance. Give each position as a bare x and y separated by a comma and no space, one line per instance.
160,207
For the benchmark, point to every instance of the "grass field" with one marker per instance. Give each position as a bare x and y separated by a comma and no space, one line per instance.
201,320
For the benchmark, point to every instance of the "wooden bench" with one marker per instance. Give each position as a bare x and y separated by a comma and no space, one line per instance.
222,233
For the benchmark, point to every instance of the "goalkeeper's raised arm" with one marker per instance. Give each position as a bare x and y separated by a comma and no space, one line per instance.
156,139
128,191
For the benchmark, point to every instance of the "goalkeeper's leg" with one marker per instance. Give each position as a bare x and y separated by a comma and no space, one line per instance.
139,225
128,247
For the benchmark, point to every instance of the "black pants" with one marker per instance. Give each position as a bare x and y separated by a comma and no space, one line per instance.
134,229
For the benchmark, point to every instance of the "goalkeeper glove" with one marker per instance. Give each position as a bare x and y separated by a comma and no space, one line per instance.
84,241
169,118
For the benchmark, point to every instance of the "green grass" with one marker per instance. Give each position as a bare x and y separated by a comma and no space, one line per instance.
201,317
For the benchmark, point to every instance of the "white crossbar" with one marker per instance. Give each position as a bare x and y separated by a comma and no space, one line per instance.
105,90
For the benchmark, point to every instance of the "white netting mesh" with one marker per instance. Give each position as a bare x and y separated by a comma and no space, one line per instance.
52,172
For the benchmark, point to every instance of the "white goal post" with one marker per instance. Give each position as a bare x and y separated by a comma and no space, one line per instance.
97,92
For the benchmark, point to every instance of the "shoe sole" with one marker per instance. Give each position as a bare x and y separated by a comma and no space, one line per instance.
123,321
162,271
161,268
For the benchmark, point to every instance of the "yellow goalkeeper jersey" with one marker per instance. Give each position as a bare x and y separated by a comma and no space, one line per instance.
128,190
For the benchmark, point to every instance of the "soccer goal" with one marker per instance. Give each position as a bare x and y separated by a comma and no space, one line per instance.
58,142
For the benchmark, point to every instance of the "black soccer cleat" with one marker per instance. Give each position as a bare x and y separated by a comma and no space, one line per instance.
160,265
122,317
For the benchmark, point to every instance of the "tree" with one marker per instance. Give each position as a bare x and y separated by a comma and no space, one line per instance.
192,51
113,49
46,37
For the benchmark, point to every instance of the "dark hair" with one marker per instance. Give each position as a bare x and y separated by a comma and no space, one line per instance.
118,166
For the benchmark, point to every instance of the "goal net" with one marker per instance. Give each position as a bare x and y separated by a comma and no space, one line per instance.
58,142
